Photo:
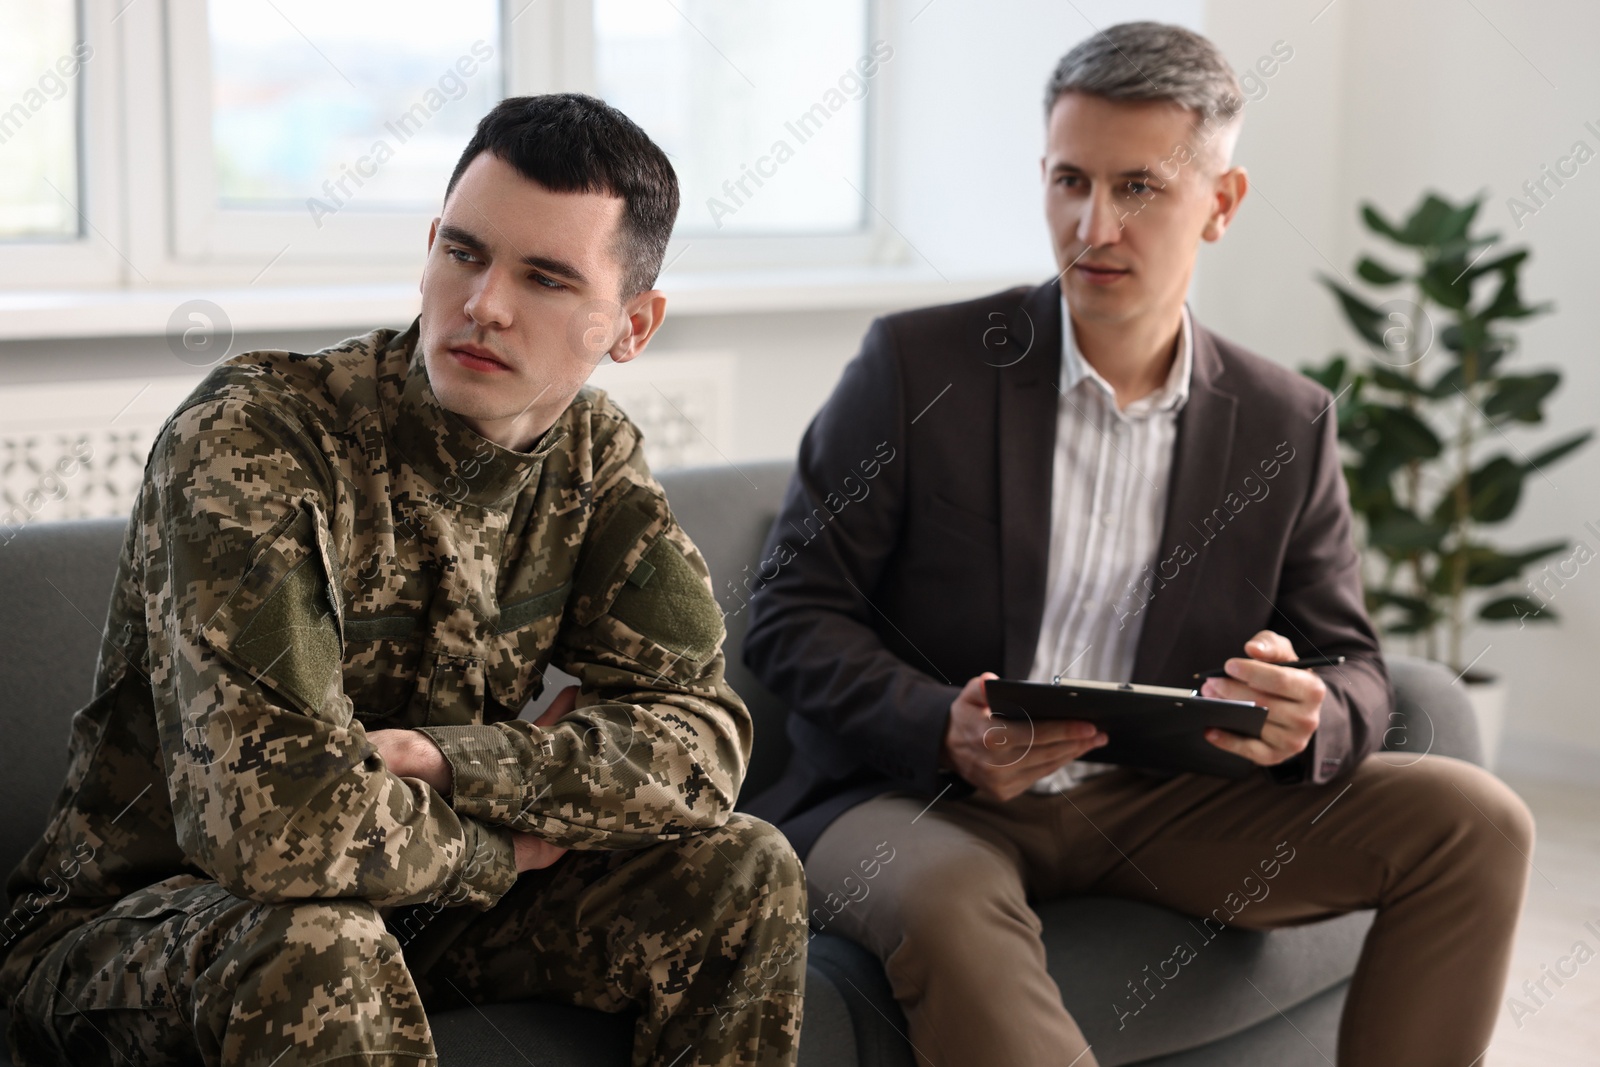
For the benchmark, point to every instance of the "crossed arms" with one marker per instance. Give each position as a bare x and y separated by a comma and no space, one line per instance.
277,790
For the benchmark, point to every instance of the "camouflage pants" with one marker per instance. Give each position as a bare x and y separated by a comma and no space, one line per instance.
705,936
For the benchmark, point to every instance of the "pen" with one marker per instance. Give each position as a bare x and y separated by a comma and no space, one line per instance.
1314,661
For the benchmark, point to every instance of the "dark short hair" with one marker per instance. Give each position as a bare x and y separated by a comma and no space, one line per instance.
572,143
1152,61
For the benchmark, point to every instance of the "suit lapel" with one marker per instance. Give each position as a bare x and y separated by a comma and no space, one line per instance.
1027,404
1199,474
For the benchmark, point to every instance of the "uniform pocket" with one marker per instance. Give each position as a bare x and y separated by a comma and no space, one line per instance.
381,658
520,647
455,689
131,956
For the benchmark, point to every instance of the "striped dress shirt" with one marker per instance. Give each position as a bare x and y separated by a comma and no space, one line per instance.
1108,498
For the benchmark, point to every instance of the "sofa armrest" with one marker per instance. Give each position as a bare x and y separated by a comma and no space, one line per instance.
1431,712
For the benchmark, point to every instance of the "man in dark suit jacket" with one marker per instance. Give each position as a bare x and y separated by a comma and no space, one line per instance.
944,524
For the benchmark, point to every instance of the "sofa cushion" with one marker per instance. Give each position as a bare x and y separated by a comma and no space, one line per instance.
57,579
1431,711
1096,946
1285,1040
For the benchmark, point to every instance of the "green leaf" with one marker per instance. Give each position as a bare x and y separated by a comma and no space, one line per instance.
1446,283
1428,222
1399,383
1387,438
1485,360
1455,225
1366,319
1404,431
1435,222
1488,566
1496,486
1466,333
1516,607
1376,273
1405,532
1351,411
1557,451
1446,384
1416,615
1519,396
1492,490
1462,249
1380,225
1510,262
1507,302
1416,605
1330,375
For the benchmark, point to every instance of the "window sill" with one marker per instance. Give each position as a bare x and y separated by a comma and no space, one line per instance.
41,314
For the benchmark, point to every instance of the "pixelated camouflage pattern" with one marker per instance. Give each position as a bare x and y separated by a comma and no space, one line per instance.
320,548
697,933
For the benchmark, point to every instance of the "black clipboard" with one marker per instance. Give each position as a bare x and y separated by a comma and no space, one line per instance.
1154,727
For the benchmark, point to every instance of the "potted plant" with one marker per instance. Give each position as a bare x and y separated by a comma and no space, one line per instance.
1424,419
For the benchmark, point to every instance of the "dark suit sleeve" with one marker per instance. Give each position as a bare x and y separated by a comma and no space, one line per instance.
814,636
1321,610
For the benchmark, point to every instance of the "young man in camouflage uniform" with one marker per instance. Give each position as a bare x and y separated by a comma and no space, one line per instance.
297,810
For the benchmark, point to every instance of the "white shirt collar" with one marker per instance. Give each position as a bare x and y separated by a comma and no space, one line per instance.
1171,395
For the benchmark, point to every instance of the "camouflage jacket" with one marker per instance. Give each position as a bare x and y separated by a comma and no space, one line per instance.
320,548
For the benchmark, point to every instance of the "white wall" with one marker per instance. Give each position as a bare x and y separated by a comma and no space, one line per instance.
1382,101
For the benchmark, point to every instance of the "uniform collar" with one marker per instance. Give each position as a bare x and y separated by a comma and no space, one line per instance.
455,459
1170,397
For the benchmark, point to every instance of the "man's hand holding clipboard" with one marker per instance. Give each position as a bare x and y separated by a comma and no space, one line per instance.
1003,754
1001,757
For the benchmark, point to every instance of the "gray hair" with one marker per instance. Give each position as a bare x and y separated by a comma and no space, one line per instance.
1152,61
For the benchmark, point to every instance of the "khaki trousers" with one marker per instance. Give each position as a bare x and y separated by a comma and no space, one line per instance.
1440,847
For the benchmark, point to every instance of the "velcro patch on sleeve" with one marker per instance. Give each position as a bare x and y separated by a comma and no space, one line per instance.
671,605
279,623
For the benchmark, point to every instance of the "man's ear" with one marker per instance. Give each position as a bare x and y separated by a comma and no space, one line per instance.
433,231
1227,194
642,317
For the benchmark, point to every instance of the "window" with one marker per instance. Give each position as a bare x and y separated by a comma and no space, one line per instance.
320,132
59,209
366,110
296,142
761,107
40,58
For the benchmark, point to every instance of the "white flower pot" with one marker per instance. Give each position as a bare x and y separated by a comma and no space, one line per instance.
1488,695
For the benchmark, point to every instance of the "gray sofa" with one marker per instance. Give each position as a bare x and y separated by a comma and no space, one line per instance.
55,580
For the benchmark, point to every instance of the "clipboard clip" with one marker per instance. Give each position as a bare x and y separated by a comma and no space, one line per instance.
1127,687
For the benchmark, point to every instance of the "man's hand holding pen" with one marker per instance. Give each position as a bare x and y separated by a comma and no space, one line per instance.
1292,696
